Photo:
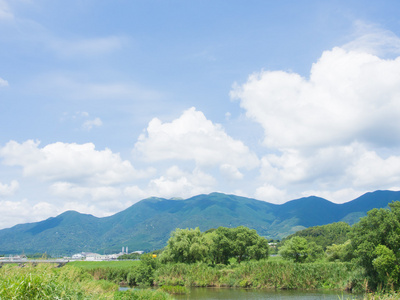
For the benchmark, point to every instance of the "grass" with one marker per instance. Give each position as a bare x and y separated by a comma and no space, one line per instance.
142,294
175,289
44,281
263,274
103,264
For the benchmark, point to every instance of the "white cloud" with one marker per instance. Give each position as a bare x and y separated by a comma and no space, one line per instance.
337,196
136,193
174,183
335,131
177,183
3,82
89,124
231,172
73,191
16,212
8,189
350,96
271,194
373,39
69,162
193,137
371,170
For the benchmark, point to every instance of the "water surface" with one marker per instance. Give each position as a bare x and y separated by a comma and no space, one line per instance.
249,294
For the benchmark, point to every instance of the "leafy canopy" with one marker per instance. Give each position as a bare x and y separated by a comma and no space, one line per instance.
215,246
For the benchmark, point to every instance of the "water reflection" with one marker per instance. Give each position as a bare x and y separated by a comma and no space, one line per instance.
231,293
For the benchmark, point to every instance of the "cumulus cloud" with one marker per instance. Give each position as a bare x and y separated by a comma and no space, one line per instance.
271,194
177,183
69,162
231,172
14,212
8,189
3,82
335,131
74,191
350,96
193,137
174,183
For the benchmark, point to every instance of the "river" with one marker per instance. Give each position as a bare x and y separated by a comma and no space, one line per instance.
252,294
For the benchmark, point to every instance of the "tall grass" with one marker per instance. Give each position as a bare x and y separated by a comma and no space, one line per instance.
119,272
44,281
264,274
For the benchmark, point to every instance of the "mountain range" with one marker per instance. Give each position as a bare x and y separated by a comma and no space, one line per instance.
147,224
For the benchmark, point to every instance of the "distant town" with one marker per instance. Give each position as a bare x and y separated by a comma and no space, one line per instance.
86,256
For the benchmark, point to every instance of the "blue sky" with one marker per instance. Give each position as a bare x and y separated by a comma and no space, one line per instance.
105,103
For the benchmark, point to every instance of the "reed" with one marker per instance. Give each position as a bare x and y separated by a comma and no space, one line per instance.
263,274
44,281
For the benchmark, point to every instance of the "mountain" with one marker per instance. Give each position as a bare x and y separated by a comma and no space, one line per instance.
147,224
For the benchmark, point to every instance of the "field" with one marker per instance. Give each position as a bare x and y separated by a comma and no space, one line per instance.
104,264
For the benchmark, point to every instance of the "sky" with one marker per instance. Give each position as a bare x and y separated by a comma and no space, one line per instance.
105,103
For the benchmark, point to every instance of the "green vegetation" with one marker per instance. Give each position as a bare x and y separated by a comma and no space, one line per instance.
325,235
38,256
263,274
376,243
129,256
142,294
175,289
298,249
362,257
215,246
47,282
115,264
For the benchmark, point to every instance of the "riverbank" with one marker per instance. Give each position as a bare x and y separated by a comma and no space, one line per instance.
263,274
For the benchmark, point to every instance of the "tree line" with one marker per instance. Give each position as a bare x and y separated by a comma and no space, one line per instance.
372,244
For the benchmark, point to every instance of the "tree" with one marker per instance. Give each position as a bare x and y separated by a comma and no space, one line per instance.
241,243
342,252
325,235
185,245
381,227
143,273
216,246
299,250
386,265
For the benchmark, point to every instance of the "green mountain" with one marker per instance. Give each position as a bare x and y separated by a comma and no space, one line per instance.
147,224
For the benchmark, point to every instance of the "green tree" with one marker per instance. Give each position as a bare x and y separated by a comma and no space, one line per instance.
386,265
215,246
381,227
325,235
341,252
144,271
298,249
185,245
240,243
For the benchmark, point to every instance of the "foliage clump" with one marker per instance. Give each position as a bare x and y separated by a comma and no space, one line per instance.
376,242
215,246
298,249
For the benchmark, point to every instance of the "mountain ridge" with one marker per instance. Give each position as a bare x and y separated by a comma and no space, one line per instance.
147,224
